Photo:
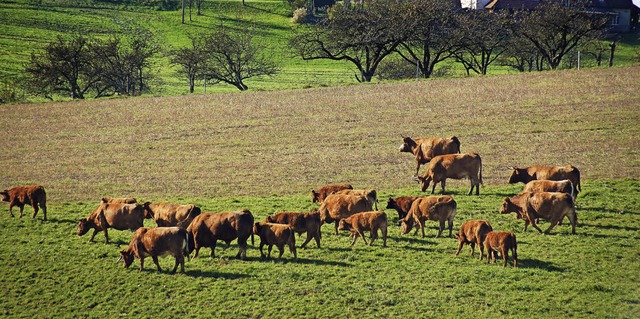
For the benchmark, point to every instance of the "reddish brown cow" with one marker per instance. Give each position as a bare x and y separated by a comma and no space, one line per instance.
207,228
116,216
548,172
338,206
473,232
157,242
319,195
426,148
119,200
439,208
456,166
549,206
370,194
33,195
537,186
401,204
167,214
372,221
503,242
275,234
300,223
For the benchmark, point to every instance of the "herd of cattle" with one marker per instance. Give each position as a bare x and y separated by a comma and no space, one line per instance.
549,194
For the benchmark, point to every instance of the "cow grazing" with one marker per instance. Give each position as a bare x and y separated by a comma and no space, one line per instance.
300,223
207,228
438,208
401,204
370,194
338,206
275,234
157,242
456,166
473,232
537,186
116,216
426,148
319,195
167,214
548,172
503,242
371,221
33,195
119,200
549,206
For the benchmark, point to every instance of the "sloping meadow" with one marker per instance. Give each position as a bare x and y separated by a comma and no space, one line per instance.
266,151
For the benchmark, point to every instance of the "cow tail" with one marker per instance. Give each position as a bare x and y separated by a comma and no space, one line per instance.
572,189
480,177
578,187
457,142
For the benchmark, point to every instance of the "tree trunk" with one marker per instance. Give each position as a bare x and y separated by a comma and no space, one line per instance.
183,11
613,50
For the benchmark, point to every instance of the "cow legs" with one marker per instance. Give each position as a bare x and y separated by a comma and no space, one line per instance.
179,260
141,263
553,224
450,222
242,253
269,250
281,250
336,223
384,236
95,231
261,253
309,237
197,248
292,248
34,204
155,261
442,184
355,237
505,255
460,245
213,249
21,209
433,188
440,229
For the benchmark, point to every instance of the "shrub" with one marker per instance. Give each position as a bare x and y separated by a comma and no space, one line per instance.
299,15
396,69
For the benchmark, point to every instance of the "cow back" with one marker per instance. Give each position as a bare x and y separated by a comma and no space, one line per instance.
119,216
26,194
338,206
547,205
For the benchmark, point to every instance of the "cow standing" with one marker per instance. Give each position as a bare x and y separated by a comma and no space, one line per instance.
426,148
401,204
549,206
546,172
538,186
157,242
167,214
300,223
438,208
207,228
370,194
456,166
275,234
33,195
338,206
116,216
119,200
372,221
502,242
318,196
473,232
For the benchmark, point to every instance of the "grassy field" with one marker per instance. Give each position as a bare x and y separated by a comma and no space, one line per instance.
265,151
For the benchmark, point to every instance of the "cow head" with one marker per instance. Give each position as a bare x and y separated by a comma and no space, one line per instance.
424,182
84,225
344,225
519,175
257,227
408,144
508,206
148,213
5,196
315,197
406,224
391,203
269,219
127,257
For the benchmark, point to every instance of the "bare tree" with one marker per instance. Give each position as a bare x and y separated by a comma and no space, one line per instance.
192,61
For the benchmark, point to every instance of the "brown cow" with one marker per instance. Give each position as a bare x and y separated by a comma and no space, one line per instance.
473,232
537,186
372,221
275,234
319,195
549,206
157,242
116,216
439,208
426,148
501,241
456,166
338,206
300,223
370,194
548,172
33,195
207,228
401,204
167,214
119,200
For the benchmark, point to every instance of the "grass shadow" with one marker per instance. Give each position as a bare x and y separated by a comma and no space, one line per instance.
61,221
534,263
319,262
196,273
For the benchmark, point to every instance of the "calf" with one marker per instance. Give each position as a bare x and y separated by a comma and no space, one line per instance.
426,148
338,206
167,214
119,200
501,241
473,232
372,221
546,172
207,228
456,166
439,208
549,206
401,204
300,223
33,195
319,195
537,186
157,242
275,234
116,216
370,194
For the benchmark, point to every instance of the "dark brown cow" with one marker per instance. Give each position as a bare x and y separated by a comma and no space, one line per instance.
116,216
426,148
537,186
548,172
167,214
549,206
372,221
338,206
401,204
119,200
456,166
319,195
300,223
207,228
370,194
473,232
33,195
501,241
275,234
438,208
157,242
